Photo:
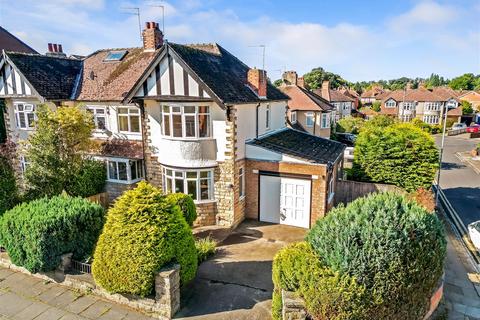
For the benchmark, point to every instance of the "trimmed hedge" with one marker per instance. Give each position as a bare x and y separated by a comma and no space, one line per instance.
394,247
145,231
37,233
8,186
187,206
89,180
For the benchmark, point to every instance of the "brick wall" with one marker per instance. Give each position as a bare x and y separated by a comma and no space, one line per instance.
319,185
117,189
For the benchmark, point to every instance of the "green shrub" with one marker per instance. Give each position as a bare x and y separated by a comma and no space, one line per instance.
145,231
394,247
8,186
350,125
206,247
37,233
89,180
187,206
378,122
450,122
400,154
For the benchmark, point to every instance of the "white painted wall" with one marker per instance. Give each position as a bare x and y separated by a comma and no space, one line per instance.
8,90
259,153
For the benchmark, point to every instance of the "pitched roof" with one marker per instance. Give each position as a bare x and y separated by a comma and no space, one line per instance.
445,93
419,94
301,145
372,93
302,99
223,73
54,78
112,80
9,42
335,96
350,93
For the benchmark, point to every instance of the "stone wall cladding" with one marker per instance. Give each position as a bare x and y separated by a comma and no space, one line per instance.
206,213
153,167
115,190
319,185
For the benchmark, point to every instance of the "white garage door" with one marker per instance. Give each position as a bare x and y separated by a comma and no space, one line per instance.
285,201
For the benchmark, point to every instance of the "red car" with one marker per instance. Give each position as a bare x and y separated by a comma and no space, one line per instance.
473,128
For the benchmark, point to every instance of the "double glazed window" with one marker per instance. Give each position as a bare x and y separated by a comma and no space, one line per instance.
390,104
99,117
432,106
186,121
129,119
325,120
293,116
430,119
125,170
408,106
241,182
196,183
310,119
25,115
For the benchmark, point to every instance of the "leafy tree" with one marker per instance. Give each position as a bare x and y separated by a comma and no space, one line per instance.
350,125
314,79
376,106
434,81
8,183
378,122
466,81
56,150
278,82
399,154
467,107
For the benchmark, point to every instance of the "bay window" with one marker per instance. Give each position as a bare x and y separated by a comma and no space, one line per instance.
124,170
129,119
186,121
196,183
390,104
25,115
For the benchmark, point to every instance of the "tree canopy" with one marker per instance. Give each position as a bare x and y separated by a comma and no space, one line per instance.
314,79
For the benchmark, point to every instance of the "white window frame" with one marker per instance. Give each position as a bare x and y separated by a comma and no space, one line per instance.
128,163
431,119
331,183
346,106
93,110
129,116
268,117
23,164
408,106
241,182
182,174
24,115
293,116
325,121
171,112
309,115
390,104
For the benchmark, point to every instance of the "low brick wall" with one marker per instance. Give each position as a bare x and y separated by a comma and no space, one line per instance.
163,305
206,213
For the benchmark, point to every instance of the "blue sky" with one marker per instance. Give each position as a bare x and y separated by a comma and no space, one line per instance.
360,40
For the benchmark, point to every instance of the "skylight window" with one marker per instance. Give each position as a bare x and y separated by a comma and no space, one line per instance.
115,55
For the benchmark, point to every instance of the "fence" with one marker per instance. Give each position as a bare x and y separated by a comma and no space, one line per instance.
81,267
454,132
100,198
347,191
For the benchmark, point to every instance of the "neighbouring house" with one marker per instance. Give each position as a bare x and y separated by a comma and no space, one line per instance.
375,93
420,103
342,103
474,98
9,42
352,94
306,111
450,98
187,118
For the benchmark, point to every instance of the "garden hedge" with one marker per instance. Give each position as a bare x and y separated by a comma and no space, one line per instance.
8,186
89,180
145,231
394,247
187,206
37,233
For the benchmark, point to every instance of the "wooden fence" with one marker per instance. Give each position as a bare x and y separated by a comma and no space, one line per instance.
346,191
100,198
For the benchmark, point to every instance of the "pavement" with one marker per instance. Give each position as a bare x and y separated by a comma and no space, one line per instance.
237,282
459,181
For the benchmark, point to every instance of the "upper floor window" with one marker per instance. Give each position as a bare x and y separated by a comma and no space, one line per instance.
267,117
99,117
390,104
408,105
241,182
186,121
346,106
125,170
196,183
129,119
310,119
325,120
432,106
430,119
293,116
25,115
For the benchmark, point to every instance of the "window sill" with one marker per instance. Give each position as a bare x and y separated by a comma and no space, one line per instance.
26,129
186,139
132,133
204,201
125,182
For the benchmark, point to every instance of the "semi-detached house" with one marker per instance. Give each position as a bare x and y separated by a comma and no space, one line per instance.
192,119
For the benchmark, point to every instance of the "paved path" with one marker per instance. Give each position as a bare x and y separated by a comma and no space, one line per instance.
460,183
24,297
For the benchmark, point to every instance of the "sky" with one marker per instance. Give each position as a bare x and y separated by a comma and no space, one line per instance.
360,40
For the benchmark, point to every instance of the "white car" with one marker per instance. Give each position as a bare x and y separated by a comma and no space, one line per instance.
457,126
474,233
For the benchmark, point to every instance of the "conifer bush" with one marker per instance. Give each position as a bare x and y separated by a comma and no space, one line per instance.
37,233
8,186
144,232
187,206
88,180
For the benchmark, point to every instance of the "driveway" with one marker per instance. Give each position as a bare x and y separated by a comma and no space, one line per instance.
237,282
460,183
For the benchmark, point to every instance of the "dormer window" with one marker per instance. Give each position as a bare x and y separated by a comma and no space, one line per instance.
390,104
115,55
294,116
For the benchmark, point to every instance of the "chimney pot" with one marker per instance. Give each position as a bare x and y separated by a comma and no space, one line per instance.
152,37
60,49
290,77
326,90
55,47
50,47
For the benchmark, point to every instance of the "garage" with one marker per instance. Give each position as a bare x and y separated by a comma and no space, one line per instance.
285,200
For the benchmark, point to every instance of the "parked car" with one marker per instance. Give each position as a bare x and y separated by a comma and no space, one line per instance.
473,128
347,138
474,233
459,126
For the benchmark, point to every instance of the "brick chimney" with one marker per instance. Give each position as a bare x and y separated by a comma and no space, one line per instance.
55,50
409,85
301,82
290,77
257,81
326,90
152,36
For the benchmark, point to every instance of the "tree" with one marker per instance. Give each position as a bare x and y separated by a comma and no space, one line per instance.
56,150
400,154
8,183
434,81
467,107
278,82
350,125
466,81
376,106
314,79
378,122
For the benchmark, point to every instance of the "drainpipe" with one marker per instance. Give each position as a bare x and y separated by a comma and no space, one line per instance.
256,120
141,106
314,121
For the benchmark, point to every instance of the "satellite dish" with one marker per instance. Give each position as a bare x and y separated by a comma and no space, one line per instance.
92,75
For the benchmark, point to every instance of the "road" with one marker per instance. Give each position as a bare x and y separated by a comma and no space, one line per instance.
460,183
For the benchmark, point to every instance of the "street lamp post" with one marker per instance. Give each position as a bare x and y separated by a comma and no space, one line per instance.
441,153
